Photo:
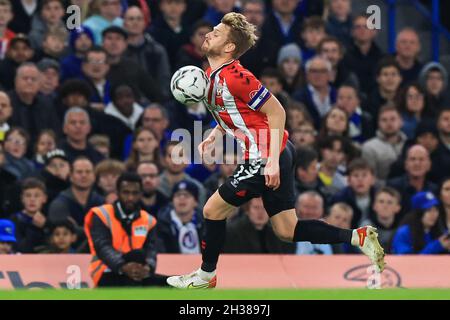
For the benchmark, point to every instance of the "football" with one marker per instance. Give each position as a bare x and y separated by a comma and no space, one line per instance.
189,85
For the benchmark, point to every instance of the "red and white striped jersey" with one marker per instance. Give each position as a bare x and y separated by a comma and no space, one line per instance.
234,98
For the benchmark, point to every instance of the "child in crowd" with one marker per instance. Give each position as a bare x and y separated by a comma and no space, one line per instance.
31,222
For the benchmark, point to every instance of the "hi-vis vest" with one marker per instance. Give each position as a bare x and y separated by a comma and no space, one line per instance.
120,239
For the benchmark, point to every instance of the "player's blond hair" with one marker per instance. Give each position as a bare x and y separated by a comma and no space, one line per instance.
242,32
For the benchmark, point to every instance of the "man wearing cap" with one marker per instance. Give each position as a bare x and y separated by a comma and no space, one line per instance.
109,15
122,239
50,71
180,224
56,173
422,232
125,70
19,51
7,236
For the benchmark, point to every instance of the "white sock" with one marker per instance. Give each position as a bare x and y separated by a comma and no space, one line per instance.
355,238
206,275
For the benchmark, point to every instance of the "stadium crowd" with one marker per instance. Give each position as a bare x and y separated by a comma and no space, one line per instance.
80,107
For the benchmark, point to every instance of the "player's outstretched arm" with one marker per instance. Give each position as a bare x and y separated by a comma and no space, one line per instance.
276,117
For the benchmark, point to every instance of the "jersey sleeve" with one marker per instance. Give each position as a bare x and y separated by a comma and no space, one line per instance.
245,87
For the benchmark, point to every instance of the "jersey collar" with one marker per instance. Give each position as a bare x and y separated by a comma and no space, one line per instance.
213,73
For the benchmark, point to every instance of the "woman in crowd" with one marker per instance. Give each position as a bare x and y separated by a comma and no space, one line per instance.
45,142
145,148
16,144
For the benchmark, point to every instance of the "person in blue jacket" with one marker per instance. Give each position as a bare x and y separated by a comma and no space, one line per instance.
422,232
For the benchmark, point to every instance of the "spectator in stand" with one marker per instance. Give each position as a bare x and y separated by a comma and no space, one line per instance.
19,51
382,151
281,26
191,54
306,171
31,222
180,224
313,32
156,118
339,21
152,200
331,49
6,34
123,106
54,46
74,202
102,144
124,70
360,121
50,18
318,96
217,9
388,79
77,127
8,188
110,12
95,68
340,215
442,162
50,71
6,112
107,172
421,232
56,173
360,193
444,210
144,50
145,148
255,59
386,208
310,206
61,239
45,142
16,143
333,152
434,79
417,166
226,169
76,93
363,54
412,106
290,66
296,115
32,110
407,47
335,123
304,135
24,11
169,29
251,233
175,162
80,41
7,236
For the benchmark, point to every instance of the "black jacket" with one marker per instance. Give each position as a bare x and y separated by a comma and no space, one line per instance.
54,185
89,152
102,239
242,237
9,193
28,235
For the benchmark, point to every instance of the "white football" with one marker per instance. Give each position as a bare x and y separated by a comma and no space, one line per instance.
189,85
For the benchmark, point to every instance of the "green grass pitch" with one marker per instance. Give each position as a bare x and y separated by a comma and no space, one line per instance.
217,294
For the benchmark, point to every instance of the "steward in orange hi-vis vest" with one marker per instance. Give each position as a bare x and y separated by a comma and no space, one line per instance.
122,242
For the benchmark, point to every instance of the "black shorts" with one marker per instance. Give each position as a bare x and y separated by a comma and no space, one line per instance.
248,182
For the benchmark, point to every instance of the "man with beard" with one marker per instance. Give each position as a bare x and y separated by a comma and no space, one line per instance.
152,199
122,239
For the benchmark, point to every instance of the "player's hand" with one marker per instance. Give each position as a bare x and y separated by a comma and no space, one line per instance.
202,147
272,174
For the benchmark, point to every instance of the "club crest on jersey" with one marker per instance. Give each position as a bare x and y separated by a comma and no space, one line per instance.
219,90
